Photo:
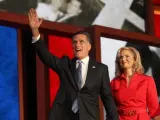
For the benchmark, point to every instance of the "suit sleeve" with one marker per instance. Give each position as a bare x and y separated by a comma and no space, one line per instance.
107,98
152,97
46,57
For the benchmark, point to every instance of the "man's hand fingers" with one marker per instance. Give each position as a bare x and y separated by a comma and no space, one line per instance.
32,12
35,14
29,16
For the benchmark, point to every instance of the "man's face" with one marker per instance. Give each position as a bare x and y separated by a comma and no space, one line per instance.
81,46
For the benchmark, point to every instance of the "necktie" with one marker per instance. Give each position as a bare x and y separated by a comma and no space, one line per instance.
79,83
79,74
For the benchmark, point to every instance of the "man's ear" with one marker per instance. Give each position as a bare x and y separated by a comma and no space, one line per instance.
90,46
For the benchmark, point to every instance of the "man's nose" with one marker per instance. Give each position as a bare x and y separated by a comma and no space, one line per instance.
78,44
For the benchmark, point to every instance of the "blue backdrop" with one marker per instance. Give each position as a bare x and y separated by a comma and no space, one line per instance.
9,100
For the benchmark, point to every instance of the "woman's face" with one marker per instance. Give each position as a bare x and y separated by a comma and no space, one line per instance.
126,59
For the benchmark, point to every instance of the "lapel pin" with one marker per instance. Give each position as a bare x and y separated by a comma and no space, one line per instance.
93,67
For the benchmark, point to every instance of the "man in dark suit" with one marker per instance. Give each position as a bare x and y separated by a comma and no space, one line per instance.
82,79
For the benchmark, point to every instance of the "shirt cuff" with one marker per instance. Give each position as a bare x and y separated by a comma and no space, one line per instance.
35,39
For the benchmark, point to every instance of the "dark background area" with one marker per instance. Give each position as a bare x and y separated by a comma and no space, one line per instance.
29,67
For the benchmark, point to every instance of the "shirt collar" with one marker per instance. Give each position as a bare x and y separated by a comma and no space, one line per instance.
84,60
122,76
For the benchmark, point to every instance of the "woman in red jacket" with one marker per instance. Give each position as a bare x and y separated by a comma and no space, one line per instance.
134,93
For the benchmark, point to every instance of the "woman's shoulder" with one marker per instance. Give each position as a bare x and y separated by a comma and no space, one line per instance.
144,76
115,82
116,79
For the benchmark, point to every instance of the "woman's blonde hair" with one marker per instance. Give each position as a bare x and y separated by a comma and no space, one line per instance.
137,66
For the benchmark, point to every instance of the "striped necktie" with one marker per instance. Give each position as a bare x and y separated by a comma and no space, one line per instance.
79,83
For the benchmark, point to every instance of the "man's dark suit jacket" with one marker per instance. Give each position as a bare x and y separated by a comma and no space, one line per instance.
97,83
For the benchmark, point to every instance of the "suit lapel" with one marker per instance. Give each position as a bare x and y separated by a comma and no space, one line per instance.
90,73
73,69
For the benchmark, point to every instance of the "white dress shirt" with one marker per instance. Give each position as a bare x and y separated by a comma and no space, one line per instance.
35,39
85,62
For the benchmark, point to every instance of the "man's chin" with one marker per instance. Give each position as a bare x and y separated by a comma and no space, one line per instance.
78,57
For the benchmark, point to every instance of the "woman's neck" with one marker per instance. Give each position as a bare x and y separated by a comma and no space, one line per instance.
128,73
